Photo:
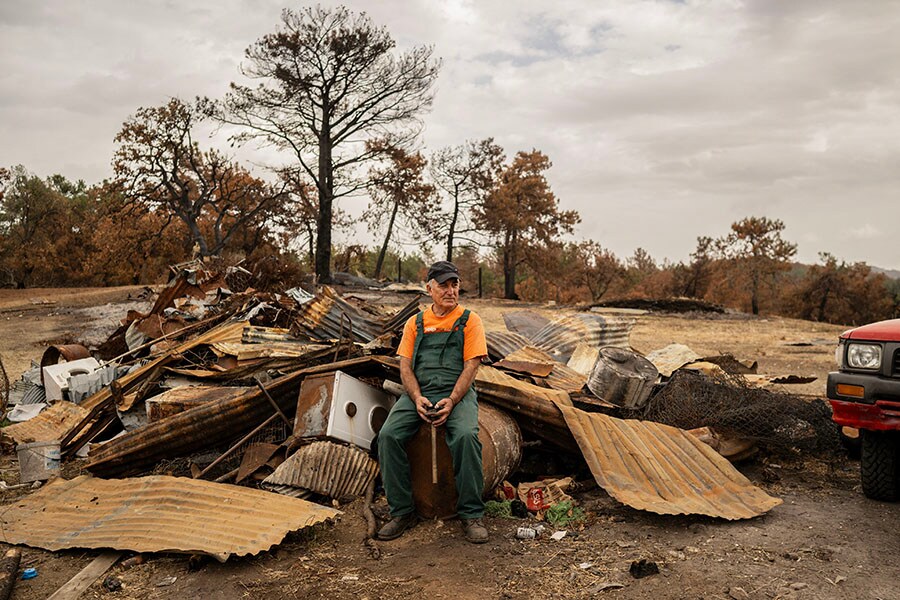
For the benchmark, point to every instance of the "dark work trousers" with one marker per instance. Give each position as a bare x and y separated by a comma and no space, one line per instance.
437,364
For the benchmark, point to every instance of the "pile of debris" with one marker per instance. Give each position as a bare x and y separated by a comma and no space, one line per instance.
244,411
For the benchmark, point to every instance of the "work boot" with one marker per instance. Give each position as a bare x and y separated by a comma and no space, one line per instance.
475,531
396,526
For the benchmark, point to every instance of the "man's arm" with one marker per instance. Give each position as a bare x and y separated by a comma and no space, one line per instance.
408,377
463,383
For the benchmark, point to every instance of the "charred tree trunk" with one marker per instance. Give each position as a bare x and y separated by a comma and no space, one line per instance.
387,239
326,199
452,230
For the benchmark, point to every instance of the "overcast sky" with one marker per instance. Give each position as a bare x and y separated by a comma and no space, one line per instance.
664,120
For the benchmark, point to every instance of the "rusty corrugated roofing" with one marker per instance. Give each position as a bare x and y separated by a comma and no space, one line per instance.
503,343
243,351
327,468
561,336
560,378
329,317
51,424
156,514
663,469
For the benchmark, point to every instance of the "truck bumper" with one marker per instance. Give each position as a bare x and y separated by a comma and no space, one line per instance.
884,415
874,403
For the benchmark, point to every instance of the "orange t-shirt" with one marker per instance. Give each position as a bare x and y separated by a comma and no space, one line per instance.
474,345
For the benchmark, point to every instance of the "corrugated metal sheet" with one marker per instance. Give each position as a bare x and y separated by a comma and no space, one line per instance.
48,426
534,408
287,490
327,468
102,402
671,358
26,392
525,322
156,514
665,470
330,317
503,343
561,336
583,359
265,349
560,378
253,334
219,422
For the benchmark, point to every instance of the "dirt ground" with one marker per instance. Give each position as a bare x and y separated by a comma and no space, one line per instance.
825,541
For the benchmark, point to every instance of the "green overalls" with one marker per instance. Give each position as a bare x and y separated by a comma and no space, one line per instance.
437,363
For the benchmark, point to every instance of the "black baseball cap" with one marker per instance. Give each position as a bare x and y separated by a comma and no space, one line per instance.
442,270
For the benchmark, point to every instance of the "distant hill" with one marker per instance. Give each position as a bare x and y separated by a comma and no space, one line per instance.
799,270
892,273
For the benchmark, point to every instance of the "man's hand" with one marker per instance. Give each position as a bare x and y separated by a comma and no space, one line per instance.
444,408
423,405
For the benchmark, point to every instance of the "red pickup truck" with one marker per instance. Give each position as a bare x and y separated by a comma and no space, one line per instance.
865,393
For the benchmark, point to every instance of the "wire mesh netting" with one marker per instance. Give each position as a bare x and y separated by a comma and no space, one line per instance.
776,420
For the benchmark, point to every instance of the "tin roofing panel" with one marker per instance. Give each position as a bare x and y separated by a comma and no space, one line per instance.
329,317
51,424
327,468
503,343
561,336
156,514
561,377
662,469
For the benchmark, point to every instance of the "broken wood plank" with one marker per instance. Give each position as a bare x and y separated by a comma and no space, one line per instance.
75,587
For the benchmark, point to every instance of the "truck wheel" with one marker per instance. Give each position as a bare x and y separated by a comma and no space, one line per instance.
880,465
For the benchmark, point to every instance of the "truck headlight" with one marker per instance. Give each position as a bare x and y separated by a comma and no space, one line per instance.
863,356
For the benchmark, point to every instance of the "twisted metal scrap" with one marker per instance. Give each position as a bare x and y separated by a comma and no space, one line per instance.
4,388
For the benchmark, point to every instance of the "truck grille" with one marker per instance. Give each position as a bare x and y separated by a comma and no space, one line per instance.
895,367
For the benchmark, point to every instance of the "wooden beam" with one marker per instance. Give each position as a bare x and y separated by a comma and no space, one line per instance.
75,587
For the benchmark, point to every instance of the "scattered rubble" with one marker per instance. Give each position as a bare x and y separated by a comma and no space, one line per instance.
281,395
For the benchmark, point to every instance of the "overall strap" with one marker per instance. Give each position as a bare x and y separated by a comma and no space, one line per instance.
420,331
460,326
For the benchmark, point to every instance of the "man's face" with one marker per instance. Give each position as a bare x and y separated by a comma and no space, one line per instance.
444,295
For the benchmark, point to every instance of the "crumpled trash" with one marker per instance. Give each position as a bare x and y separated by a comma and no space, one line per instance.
24,412
541,495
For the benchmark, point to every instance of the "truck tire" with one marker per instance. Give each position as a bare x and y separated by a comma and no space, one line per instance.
880,465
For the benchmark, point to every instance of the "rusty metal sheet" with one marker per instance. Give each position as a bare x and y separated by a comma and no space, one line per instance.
180,399
254,334
218,422
525,322
534,408
503,343
537,369
51,424
244,351
327,468
330,317
561,336
671,358
255,457
583,359
560,377
662,469
156,514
